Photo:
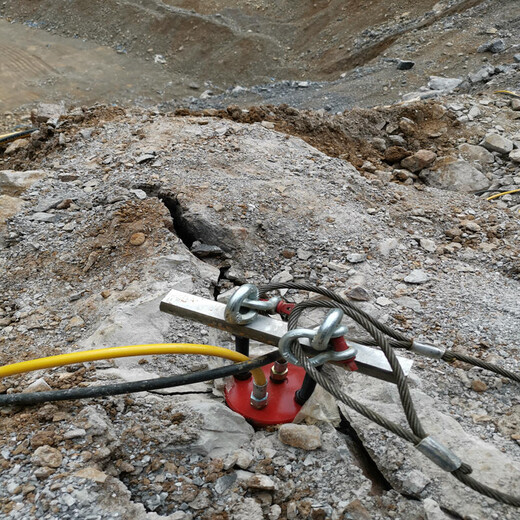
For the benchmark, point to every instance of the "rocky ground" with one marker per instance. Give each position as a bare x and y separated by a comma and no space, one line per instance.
105,210
206,176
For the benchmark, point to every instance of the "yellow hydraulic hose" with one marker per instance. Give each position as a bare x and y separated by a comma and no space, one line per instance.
132,350
507,93
12,136
503,193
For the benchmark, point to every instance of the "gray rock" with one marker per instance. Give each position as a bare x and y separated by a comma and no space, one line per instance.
144,158
409,303
482,74
303,254
379,143
456,175
75,433
275,511
428,94
517,58
225,482
387,246
40,385
416,481
515,155
494,46
282,277
49,218
433,510
417,276
474,112
96,420
358,293
473,152
249,509
428,245
140,194
222,430
356,258
133,324
240,458
205,250
14,183
397,140
300,436
383,301
443,84
515,105
497,143
45,111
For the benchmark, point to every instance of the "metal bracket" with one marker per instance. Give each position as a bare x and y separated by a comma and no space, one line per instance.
370,361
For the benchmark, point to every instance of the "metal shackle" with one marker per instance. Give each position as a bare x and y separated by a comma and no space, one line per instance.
233,313
330,328
287,340
263,306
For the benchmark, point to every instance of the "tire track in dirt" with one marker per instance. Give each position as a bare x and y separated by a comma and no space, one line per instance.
20,64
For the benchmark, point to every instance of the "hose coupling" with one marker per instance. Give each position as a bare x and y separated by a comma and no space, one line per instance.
259,396
279,371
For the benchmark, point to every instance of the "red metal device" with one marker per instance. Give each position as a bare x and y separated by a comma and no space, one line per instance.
281,407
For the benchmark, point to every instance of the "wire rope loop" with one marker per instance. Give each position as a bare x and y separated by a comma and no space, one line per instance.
233,312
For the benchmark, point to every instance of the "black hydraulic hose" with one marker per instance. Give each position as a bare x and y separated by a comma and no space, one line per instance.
137,386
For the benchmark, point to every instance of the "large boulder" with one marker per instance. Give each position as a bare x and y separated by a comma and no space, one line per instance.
455,174
419,160
413,474
475,153
497,143
13,183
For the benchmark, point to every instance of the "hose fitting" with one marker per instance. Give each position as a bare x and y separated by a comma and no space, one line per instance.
279,371
259,396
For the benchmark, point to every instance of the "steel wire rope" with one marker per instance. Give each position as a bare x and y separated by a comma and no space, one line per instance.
368,324
398,340
450,356
363,317
462,473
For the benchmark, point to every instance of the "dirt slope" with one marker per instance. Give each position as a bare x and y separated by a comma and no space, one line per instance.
160,49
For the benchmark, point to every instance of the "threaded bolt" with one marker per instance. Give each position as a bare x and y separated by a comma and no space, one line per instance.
279,372
259,396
